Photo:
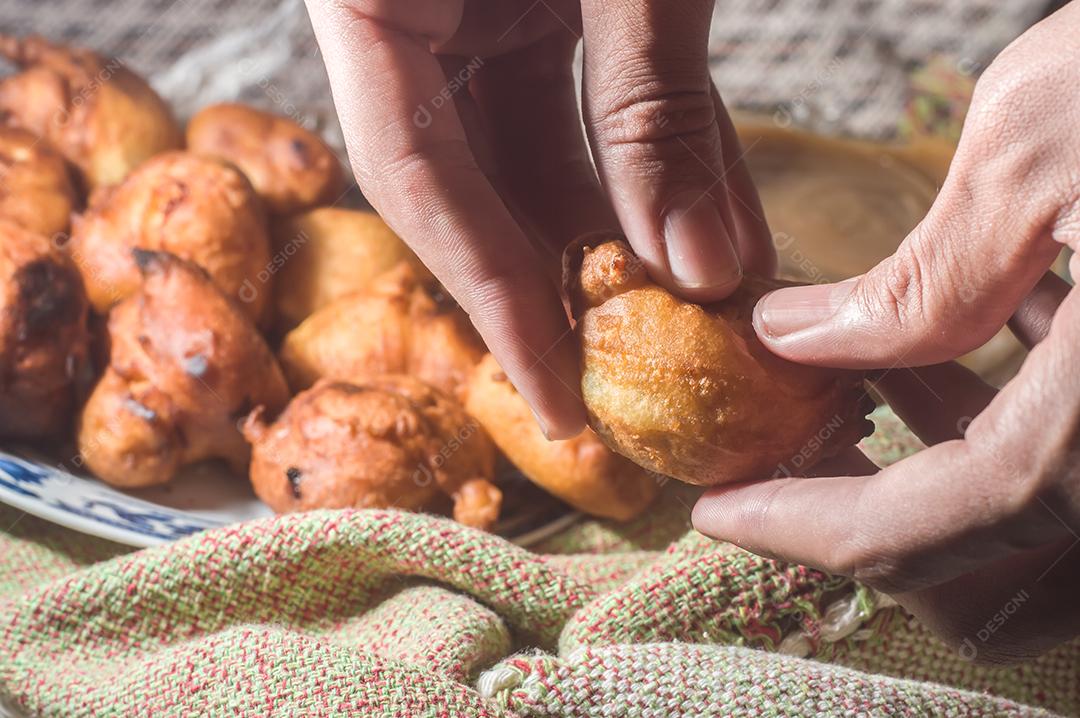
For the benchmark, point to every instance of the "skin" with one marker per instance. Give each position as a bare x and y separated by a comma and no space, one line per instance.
488,183
488,188
991,510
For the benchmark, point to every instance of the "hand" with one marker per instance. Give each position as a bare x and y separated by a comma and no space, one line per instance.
978,535
464,131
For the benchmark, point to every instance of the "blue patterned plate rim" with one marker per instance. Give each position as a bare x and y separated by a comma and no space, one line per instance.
31,484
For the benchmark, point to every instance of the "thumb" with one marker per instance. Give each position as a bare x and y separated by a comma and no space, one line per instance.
999,221
665,149
951,285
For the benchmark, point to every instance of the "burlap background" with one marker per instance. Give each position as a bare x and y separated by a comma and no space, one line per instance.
835,64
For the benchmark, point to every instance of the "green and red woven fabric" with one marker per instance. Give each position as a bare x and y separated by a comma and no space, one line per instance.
381,613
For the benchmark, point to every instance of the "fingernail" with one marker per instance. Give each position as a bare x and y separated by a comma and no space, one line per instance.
541,423
701,253
790,310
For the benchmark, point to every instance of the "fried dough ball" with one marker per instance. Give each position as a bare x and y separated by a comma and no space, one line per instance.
688,390
390,441
101,116
185,366
35,187
292,169
398,326
328,253
581,471
43,335
197,208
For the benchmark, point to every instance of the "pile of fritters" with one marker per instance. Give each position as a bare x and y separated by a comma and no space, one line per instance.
171,297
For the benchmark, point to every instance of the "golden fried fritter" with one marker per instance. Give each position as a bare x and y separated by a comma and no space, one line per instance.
581,471
197,208
396,327
291,168
185,366
43,335
101,116
35,187
328,253
390,441
688,390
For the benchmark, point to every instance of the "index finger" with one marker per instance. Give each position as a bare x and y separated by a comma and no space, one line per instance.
947,510
915,524
409,150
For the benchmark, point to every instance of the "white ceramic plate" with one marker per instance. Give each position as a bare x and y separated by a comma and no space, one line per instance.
202,497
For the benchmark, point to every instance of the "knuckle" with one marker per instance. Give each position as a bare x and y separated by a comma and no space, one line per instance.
757,517
993,161
1020,133
416,172
920,290
1017,95
493,294
448,154
498,295
999,90
1015,86
658,122
895,289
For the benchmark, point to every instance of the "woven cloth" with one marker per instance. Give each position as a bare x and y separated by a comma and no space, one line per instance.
382,613
393,614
